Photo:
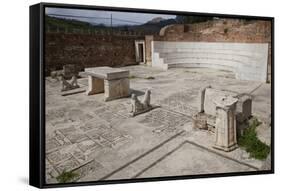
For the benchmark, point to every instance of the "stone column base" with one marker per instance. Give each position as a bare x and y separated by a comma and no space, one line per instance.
227,149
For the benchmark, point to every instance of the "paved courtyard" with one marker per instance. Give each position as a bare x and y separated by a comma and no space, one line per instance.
100,141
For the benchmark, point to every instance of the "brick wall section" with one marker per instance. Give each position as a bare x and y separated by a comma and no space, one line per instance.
88,50
223,30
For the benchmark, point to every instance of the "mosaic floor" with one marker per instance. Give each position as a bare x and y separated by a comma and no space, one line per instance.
99,140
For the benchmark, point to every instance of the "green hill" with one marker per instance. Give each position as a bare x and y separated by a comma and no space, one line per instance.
70,24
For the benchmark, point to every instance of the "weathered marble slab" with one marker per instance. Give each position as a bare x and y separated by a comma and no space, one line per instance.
114,82
107,73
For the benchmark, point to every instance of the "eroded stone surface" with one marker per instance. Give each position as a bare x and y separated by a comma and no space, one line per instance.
225,130
138,107
114,82
96,138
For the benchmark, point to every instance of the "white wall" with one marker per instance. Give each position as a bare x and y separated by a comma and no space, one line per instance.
247,60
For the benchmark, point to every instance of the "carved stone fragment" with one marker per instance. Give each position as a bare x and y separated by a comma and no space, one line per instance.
138,107
72,84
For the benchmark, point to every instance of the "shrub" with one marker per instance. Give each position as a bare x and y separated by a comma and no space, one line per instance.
65,176
251,143
132,76
150,78
225,30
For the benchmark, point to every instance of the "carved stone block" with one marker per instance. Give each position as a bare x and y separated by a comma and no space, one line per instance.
69,70
116,88
244,108
96,85
225,131
199,121
138,107
72,84
113,82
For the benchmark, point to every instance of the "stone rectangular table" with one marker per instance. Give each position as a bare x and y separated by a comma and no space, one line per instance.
114,82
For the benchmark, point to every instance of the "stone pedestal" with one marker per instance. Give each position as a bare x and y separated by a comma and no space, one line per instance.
225,132
114,82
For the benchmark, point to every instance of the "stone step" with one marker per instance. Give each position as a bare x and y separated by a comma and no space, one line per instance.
222,61
210,56
199,65
179,50
211,46
249,59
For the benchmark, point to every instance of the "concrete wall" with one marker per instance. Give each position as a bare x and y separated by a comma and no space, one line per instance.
247,60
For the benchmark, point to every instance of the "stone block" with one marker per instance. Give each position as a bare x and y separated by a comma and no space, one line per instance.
199,121
210,94
116,88
225,131
114,82
244,108
107,73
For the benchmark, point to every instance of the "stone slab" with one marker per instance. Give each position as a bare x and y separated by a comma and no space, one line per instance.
107,73
210,95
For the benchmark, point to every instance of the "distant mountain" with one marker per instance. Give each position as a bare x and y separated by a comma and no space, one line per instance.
55,22
155,20
151,27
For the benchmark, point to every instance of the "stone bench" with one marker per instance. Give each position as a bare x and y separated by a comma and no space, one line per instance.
114,82
248,61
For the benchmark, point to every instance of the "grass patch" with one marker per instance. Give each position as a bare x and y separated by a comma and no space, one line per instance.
251,143
150,78
188,71
132,76
65,176
225,30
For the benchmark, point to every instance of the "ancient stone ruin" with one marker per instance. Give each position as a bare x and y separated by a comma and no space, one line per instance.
222,112
138,107
69,85
114,82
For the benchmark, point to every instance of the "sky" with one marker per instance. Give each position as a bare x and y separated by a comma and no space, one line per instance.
103,17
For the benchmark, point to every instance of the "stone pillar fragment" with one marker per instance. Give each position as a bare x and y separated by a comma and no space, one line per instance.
148,57
201,99
225,132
